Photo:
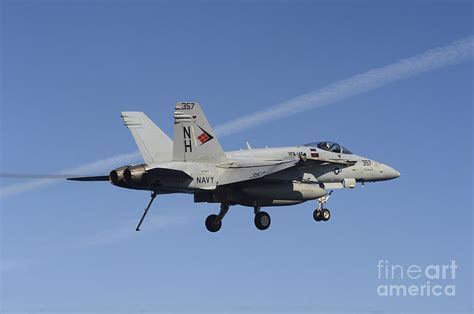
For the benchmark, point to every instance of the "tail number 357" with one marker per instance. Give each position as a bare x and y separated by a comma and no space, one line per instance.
186,106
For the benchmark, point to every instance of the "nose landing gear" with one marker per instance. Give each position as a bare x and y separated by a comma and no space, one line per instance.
322,213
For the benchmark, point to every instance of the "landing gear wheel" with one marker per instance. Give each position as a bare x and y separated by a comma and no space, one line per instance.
325,214
317,215
262,220
211,224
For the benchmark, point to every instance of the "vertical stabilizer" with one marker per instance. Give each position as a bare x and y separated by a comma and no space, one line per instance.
154,145
194,139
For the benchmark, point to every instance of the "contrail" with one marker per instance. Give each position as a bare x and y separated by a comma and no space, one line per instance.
457,52
454,53
96,166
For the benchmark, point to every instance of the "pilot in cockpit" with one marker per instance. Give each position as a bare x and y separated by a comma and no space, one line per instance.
326,146
330,147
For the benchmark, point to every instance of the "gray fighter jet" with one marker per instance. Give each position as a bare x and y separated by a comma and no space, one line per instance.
194,163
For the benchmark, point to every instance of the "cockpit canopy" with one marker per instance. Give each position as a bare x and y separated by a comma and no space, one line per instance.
330,147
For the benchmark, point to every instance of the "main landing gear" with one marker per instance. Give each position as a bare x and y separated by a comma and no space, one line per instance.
214,222
262,219
322,213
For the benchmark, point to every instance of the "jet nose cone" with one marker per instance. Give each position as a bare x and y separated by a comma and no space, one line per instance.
390,173
395,174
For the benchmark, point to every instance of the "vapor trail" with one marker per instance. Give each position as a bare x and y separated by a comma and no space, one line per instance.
454,53
457,52
90,168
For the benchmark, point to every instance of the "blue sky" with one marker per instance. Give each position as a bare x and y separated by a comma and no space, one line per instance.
68,69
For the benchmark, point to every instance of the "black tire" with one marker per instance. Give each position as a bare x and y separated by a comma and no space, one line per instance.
211,224
325,214
262,220
317,215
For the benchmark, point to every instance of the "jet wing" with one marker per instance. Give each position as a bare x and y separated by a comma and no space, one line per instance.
245,170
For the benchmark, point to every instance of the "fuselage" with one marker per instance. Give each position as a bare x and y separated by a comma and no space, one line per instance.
286,187
194,162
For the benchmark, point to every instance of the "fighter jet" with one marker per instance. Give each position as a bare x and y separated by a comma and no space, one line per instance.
194,163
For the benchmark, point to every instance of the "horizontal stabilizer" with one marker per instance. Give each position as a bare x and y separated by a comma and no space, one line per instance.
96,178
